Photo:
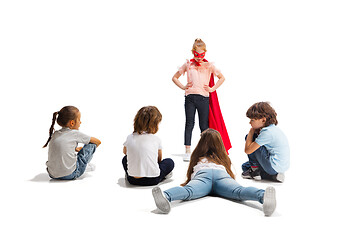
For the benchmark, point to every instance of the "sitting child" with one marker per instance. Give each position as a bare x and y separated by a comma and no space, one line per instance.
67,161
209,173
266,145
143,163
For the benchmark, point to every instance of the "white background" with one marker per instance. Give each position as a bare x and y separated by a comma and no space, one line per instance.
109,58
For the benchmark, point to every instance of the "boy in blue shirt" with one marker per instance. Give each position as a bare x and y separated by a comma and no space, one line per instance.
266,145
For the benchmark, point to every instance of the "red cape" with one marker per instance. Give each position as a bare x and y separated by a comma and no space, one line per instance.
216,120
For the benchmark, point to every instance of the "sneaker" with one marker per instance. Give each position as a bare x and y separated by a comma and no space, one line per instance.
251,174
280,177
90,167
160,200
169,175
269,201
186,157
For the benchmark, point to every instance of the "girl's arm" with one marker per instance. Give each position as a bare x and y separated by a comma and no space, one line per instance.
218,84
124,150
95,141
159,155
251,146
175,79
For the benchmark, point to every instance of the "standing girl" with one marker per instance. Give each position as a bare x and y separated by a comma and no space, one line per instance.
67,161
197,92
209,173
143,163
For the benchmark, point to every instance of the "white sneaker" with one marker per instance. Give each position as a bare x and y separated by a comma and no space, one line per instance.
90,167
280,177
269,202
160,200
186,157
169,175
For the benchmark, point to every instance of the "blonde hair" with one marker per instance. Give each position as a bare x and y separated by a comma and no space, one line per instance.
199,44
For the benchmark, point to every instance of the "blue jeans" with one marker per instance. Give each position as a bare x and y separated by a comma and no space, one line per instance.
166,166
214,182
84,156
260,158
200,103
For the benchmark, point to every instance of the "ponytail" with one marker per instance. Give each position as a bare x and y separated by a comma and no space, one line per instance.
51,130
66,114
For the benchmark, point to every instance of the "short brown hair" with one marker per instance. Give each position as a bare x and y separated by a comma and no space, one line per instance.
147,120
262,109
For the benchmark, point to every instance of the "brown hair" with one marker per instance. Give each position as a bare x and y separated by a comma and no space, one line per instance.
262,109
65,115
210,146
147,120
199,44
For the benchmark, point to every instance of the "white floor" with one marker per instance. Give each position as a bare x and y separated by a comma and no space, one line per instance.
102,202
109,58
102,205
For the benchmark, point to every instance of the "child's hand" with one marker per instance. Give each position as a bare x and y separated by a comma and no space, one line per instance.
78,149
252,131
188,85
208,89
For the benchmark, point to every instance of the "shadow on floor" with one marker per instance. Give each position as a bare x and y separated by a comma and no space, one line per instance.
125,184
250,204
44,177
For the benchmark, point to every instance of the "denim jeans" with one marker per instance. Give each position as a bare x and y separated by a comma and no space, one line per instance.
84,156
200,103
214,182
166,166
260,158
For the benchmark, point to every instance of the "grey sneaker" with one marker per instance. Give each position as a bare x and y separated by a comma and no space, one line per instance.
160,200
186,157
90,167
169,175
280,177
269,202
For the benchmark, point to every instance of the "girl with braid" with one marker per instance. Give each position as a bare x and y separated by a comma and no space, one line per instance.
67,161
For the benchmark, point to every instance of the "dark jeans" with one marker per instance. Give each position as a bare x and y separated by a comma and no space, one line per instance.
200,103
84,156
166,166
260,158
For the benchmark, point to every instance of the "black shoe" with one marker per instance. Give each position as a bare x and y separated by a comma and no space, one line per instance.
251,174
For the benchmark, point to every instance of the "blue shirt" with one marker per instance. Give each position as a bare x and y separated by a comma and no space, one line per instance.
275,141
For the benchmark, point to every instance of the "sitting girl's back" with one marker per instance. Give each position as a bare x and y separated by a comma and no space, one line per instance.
142,154
143,163
67,161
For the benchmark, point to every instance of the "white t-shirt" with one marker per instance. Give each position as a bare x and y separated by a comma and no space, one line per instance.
62,156
142,154
206,164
